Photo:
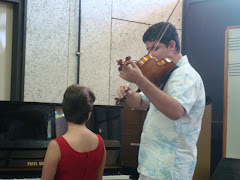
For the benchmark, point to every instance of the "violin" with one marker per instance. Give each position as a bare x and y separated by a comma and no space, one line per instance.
156,71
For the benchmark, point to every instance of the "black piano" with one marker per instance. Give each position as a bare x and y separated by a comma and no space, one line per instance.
26,128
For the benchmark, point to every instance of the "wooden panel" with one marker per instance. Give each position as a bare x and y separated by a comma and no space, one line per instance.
202,170
130,147
132,129
225,95
132,123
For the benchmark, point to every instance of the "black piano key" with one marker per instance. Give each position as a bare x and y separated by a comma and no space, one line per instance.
28,154
4,154
3,163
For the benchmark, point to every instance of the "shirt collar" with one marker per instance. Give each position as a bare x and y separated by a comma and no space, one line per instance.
182,61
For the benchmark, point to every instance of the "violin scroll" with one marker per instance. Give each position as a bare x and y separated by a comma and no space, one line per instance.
124,62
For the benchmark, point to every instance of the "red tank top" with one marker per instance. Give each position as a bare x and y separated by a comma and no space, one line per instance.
78,165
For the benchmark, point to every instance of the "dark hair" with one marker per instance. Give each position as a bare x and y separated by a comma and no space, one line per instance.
77,103
171,34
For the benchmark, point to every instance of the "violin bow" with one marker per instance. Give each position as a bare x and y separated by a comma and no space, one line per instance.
162,31
156,42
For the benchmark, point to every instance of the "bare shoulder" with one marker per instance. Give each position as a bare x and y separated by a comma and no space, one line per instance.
53,143
53,151
93,136
53,146
51,160
93,139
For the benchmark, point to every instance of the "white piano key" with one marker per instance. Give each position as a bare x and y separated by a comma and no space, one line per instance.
116,177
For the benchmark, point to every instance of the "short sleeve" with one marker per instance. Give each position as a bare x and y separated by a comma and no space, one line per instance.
183,87
144,98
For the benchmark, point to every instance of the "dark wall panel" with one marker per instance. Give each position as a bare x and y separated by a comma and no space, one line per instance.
204,25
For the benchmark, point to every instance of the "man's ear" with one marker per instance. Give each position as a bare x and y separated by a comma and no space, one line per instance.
172,45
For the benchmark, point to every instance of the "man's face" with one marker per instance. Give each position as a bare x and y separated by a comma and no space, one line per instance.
160,52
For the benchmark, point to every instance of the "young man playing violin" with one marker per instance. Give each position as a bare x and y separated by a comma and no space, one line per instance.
172,126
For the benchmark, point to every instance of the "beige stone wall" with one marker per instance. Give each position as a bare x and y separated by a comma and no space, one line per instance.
51,44
110,30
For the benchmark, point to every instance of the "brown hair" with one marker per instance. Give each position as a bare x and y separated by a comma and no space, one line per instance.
77,103
171,34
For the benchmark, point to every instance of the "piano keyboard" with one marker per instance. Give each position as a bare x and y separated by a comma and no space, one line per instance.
110,177
116,177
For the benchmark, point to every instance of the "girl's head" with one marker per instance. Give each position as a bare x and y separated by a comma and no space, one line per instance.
77,103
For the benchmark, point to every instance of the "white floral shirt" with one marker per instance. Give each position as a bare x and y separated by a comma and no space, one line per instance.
168,147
